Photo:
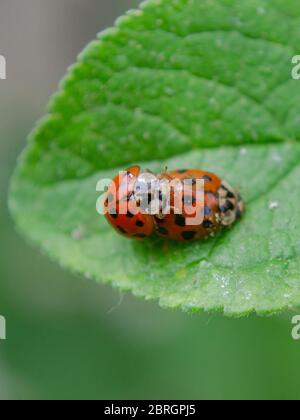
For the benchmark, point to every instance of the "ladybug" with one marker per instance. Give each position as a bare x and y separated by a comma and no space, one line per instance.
123,211
221,207
140,203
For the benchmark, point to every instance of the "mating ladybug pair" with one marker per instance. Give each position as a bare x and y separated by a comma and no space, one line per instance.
138,204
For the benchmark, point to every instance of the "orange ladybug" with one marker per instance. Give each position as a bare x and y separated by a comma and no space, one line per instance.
221,206
123,211
140,203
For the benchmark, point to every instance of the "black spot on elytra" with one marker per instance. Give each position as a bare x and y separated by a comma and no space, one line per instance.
113,213
190,181
228,206
207,224
207,178
180,220
188,235
122,230
140,224
162,231
110,198
229,194
182,171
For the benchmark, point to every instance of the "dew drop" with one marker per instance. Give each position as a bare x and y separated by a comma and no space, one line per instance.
273,205
243,151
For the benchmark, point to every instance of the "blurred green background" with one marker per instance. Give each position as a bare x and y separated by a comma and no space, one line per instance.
69,338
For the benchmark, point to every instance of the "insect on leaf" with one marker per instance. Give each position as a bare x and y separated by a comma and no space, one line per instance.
177,83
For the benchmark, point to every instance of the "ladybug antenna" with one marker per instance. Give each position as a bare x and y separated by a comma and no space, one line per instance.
148,171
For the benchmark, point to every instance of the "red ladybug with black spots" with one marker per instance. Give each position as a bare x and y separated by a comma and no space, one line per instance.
123,210
139,204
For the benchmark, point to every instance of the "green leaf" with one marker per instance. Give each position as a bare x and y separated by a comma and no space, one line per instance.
189,83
